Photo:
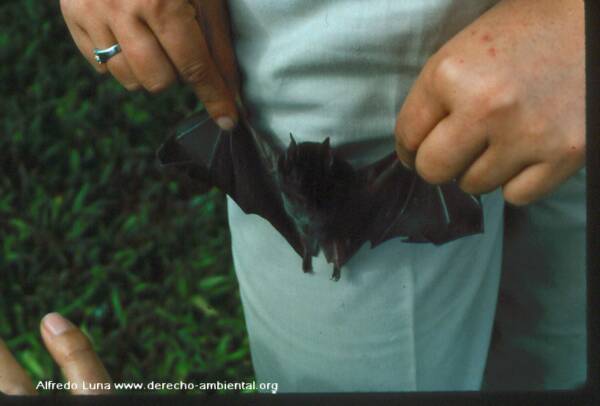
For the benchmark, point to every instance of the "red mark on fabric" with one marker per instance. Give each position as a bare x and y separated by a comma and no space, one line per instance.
486,38
492,52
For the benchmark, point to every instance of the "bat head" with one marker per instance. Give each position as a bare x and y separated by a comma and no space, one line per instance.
307,170
313,181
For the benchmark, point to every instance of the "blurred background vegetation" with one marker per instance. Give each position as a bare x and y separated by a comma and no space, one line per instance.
91,227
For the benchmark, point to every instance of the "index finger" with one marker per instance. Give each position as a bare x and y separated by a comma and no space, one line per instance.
13,378
181,36
419,115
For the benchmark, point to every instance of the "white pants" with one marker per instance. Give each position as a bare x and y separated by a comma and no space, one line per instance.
403,316
540,340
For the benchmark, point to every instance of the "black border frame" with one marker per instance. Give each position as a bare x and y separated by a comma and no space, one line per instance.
589,394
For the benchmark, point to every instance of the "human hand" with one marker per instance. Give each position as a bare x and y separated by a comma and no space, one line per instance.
161,40
502,103
71,350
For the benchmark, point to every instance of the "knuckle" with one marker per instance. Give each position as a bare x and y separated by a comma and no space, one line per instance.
492,95
486,93
158,84
196,72
156,87
78,353
505,96
132,87
445,71
77,349
164,8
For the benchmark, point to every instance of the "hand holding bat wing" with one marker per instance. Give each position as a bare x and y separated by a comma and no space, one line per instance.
315,199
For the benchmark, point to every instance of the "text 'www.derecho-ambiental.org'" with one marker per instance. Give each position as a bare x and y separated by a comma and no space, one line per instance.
153,386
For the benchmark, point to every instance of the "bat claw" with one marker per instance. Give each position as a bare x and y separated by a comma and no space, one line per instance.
335,276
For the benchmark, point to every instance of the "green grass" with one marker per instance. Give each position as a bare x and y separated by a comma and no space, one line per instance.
92,227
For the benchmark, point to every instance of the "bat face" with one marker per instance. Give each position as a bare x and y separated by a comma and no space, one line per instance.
307,175
317,200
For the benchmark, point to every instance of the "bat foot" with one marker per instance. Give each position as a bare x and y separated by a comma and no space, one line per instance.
307,264
335,276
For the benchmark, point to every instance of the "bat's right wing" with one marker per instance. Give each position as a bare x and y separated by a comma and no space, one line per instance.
407,206
439,214
236,162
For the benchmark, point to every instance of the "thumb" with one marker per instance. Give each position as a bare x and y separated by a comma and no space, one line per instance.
74,354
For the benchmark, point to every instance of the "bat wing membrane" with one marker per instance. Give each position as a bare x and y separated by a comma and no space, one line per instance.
404,205
390,201
230,160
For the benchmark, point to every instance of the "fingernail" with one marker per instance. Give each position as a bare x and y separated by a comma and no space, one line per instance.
57,324
226,123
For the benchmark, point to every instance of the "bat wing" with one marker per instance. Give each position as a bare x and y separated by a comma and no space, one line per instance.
238,162
407,206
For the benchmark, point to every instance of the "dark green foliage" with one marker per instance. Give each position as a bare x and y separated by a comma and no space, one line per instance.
91,227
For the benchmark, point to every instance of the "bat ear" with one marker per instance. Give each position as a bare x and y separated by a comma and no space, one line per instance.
327,152
293,145
290,154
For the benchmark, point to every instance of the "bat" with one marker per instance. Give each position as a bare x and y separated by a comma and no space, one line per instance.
314,198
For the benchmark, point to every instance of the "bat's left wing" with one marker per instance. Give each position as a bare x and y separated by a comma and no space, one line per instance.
237,162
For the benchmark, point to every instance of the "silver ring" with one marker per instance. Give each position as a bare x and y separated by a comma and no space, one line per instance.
103,55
